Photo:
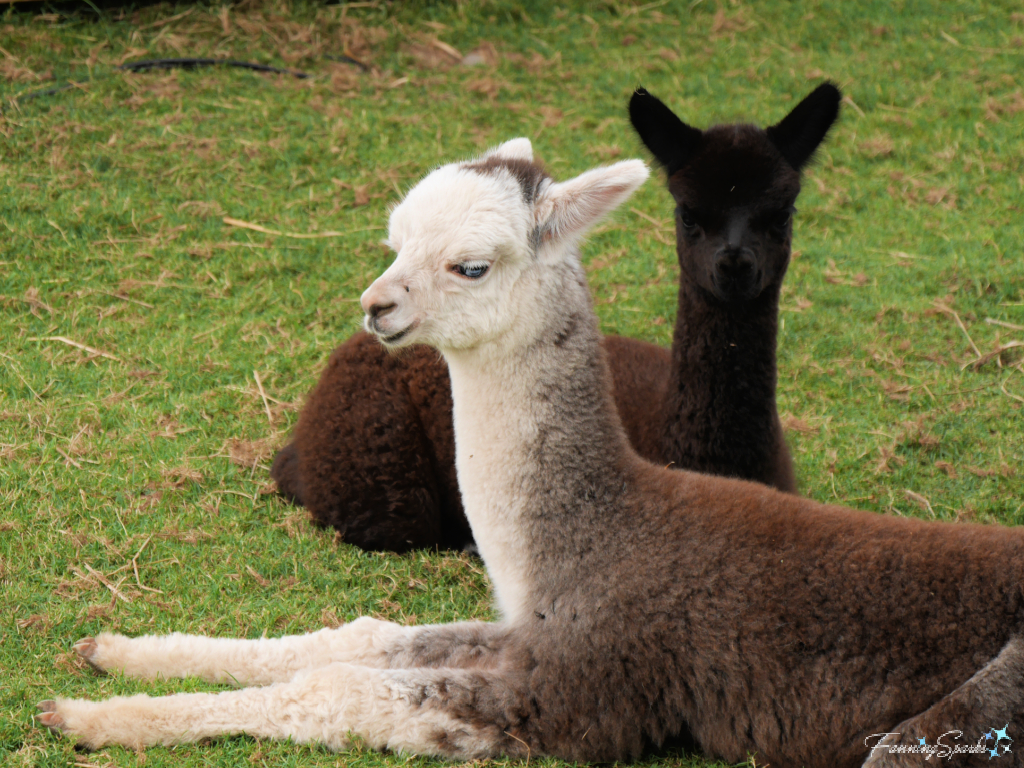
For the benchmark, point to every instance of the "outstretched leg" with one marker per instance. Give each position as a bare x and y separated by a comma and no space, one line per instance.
365,641
464,714
990,705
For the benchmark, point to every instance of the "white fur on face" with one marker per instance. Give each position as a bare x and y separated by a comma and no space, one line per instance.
460,215
454,216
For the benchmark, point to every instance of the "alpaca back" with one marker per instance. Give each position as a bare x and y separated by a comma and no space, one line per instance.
802,623
373,452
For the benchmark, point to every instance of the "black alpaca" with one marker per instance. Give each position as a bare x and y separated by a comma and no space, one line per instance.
734,243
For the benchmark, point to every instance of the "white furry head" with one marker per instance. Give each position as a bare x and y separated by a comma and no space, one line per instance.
474,240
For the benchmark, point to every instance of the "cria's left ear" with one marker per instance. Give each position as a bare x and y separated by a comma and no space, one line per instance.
803,129
566,210
513,149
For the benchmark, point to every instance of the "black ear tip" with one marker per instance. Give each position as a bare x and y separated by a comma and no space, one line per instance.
640,98
828,92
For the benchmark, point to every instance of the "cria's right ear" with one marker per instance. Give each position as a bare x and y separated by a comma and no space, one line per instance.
803,129
566,210
513,149
670,140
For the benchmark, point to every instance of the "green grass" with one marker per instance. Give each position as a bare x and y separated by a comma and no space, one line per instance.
111,235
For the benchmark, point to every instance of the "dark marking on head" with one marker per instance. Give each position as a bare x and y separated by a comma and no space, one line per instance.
536,237
530,175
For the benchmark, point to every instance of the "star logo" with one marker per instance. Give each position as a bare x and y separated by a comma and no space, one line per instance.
998,748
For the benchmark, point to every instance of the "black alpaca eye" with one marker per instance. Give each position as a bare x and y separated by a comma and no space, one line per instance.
686,217
474,270
781,219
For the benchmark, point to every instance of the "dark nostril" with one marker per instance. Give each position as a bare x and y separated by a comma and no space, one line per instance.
377,310
734,265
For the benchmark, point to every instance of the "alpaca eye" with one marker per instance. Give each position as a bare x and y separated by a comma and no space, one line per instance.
686,217
474,270
781,219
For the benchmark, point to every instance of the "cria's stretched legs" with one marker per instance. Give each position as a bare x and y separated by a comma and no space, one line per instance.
464,714
990,703
365,641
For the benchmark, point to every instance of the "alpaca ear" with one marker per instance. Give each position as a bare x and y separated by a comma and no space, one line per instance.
513,149
671,141
803,129
566,210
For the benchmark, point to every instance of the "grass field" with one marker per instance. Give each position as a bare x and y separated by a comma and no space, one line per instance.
139,331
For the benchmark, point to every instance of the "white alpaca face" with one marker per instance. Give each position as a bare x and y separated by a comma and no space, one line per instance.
461,239
473,240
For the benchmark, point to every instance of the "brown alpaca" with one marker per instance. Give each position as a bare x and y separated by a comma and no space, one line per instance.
378,462
635,601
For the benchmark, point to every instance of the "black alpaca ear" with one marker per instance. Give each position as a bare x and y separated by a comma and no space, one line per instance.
671,141
803,129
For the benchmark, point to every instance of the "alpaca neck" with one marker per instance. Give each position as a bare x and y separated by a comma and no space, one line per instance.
722,385
537,438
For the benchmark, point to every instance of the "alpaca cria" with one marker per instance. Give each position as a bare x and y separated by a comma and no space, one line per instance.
636,601
734,244
378,463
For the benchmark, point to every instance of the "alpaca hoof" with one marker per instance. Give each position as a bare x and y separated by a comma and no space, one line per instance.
48,715
86,649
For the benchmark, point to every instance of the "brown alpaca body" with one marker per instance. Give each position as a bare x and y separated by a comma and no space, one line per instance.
776,648
378,462
798,632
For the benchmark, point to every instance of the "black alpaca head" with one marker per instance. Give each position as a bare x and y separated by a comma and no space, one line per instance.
734,188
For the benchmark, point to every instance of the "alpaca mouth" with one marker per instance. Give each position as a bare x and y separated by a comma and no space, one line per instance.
738,289
396,337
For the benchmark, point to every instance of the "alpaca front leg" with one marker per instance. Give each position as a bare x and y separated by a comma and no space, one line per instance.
261,661
365,641
450,713
273,712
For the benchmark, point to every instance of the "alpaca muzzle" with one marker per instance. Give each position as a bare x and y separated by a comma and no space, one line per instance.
736,274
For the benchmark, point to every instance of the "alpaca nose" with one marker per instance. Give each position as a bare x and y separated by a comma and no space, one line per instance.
376,312
736,273
735,265
379,310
